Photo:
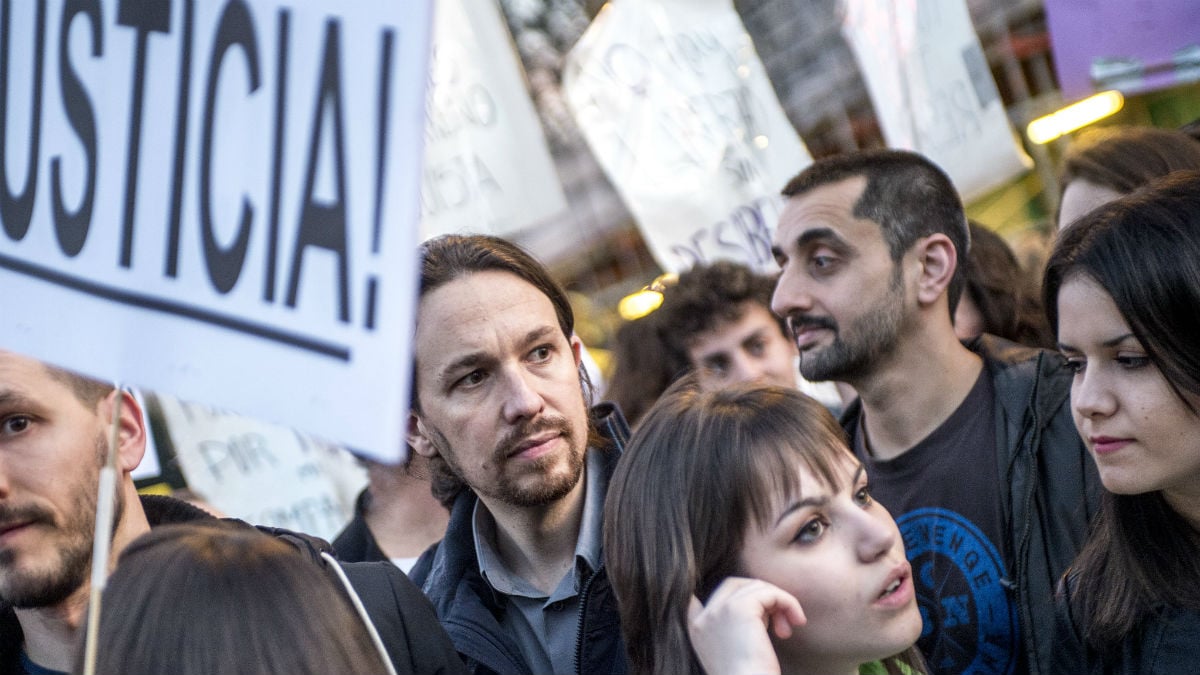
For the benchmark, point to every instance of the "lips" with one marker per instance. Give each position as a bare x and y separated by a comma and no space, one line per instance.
9,528
805,337
534,447
897,589
806,329
1103,445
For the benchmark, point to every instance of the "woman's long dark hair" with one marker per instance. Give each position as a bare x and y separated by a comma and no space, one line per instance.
702,468
207,598
1144,251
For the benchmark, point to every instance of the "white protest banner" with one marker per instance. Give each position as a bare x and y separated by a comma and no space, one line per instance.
932,88
261,473
218,199
677,108
487,167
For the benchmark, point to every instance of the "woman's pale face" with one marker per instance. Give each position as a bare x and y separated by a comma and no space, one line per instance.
1142,436
840,553
1081,196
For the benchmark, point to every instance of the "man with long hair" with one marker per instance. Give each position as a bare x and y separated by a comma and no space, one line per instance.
498,405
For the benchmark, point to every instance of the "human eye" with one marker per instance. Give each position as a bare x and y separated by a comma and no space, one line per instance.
863,495
471,379
1133,361
811,531
15,424
1076,364
541,353
716,367
822,262
756,347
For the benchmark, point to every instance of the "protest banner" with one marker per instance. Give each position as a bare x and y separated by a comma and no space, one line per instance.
1116,44
487,167
262,473
219,200
677,108
933,90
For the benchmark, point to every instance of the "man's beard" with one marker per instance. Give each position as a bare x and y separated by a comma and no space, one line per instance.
49,587
553,487
853,354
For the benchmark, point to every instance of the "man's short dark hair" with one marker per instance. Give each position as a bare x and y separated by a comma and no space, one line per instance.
907,195
707,296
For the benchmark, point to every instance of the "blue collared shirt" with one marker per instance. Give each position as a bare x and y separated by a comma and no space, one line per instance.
545,626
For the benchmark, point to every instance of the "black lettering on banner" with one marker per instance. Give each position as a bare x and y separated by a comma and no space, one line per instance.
181,122
381,145
324,225
16,210
71,228
281,61
236,27
147,16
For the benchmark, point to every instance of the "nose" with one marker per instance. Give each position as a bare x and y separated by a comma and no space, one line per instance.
522,399
1091,396
745,369
791,294
877,534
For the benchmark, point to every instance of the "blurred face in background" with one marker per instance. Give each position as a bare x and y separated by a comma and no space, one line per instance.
750,348
1081,196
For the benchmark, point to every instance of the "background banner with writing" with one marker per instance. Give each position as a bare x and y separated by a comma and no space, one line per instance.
487,167
932,89
262,473
677,108
218,200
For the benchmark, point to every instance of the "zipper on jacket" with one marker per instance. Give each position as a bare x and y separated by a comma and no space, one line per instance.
583,599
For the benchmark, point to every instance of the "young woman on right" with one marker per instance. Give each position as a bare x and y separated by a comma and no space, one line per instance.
741,537
1122,291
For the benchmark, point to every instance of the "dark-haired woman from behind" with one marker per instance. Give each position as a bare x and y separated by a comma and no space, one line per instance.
1122,291
207,599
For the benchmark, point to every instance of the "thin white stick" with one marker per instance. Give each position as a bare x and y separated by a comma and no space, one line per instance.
362,612
102,544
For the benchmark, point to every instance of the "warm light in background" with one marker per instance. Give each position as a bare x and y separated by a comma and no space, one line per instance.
639,304
1075,116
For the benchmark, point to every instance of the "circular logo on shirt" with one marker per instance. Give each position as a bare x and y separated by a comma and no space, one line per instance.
970,624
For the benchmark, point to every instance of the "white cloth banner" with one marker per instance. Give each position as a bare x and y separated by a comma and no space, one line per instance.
932,88
677,108
261,473
219,200
487,167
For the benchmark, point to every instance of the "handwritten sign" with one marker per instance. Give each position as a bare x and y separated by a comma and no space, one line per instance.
932,88
677,108
218,199
487,167
261,473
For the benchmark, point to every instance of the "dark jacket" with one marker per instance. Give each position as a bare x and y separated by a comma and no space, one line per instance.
402,615
470,611
1052,490
1164,644
355,542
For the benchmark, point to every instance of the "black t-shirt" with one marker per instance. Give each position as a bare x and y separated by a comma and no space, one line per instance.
945,495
